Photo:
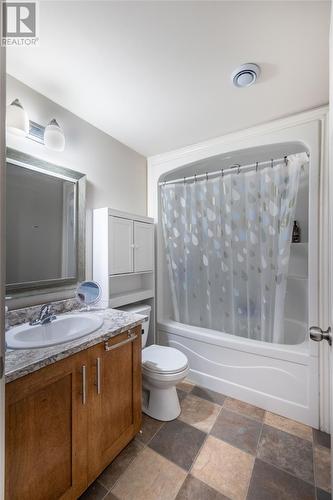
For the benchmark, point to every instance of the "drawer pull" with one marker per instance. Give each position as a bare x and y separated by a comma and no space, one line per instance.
131,337
84,384
98,375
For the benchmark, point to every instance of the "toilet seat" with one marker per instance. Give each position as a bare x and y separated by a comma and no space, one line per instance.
161,360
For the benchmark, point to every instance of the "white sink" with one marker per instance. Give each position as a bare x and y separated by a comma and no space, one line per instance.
63,329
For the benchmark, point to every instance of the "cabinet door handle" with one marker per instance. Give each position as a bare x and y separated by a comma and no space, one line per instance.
84,384
131,337
98,375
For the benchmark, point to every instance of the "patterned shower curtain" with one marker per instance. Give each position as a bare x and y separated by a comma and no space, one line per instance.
227,242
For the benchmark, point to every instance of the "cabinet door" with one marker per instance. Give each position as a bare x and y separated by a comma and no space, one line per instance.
46,425
120,245
143,246
115,401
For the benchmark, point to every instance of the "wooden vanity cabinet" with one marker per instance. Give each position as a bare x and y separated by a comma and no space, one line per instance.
115,402
46,422
66,422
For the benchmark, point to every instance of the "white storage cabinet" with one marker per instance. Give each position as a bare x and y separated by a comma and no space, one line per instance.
123,256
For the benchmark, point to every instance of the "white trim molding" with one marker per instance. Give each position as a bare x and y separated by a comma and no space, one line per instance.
159,164
324,284
212,147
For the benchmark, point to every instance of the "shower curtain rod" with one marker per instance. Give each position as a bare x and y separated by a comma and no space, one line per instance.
235,168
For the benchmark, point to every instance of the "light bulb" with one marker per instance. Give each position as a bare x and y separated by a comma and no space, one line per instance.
54,137
17,120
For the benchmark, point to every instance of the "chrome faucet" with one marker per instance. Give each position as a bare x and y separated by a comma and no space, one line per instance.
45,316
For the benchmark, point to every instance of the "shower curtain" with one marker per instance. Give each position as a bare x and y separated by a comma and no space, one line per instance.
227,242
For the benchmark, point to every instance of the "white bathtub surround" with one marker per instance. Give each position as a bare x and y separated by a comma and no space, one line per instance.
230,277
279,377
227,244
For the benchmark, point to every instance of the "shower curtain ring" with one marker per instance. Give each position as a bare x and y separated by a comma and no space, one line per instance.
238,169
222,172
257,165
272,163
286,160
195,177
184,180
206,176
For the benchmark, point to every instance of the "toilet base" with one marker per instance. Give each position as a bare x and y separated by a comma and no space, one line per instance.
161,404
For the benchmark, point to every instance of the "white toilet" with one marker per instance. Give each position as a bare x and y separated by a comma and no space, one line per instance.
162,368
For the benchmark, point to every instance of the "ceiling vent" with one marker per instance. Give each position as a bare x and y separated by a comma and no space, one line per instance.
246,75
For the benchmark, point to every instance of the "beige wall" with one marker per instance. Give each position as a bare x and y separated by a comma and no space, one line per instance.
116,175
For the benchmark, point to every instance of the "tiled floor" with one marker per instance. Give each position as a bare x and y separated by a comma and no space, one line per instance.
219,448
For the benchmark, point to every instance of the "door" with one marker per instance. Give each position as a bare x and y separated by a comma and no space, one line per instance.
120,245
46,426
2,265
143,246
115,399
330,225
322,331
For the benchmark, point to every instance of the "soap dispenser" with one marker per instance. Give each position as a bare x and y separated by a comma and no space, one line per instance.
296,237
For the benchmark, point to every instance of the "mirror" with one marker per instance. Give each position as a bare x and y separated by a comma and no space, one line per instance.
88,292
44,224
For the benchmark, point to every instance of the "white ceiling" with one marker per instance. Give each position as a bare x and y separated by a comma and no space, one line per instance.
156,75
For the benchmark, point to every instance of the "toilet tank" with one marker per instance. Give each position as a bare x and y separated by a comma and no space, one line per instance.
140,309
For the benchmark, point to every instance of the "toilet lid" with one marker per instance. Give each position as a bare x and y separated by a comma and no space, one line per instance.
161,359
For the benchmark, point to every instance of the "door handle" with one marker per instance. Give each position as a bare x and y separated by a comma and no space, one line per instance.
84,384
131,338
317,334
98,375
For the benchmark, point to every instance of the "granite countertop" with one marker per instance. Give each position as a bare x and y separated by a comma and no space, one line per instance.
20,362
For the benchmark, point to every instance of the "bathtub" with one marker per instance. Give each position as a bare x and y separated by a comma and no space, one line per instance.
280,378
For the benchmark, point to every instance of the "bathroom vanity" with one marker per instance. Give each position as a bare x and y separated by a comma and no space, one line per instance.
71,408
73,387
